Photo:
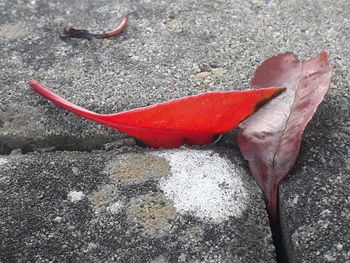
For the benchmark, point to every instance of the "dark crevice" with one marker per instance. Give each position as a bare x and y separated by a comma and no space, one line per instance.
278,237
63,143
279,242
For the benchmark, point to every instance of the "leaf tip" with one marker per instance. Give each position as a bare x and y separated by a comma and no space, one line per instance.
275,93
36,86
32,83
280,90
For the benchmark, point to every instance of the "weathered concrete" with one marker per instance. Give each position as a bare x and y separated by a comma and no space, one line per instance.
156,59
183,205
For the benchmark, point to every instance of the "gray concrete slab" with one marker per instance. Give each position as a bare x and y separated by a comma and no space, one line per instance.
315,201
131,205
155,60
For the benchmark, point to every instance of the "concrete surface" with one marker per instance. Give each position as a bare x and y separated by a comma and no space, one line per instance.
315,202
132,205
155,60
158,58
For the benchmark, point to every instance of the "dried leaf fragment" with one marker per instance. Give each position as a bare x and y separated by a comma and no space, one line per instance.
81,33
270,139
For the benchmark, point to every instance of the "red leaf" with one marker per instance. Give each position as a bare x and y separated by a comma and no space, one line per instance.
190,120
270,139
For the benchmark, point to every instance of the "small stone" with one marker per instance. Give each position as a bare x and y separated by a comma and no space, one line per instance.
75,170
205,68
202,86
257,3
57,219
203,75
232,45
343,104
3,161
75,196
330,258
115,208
339,247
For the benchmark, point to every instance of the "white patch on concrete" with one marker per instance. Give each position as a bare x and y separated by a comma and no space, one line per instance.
75,196
204,184
3,161
115,207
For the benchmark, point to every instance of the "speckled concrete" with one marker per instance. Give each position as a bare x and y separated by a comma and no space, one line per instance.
110,207
169,50
156,59
315,202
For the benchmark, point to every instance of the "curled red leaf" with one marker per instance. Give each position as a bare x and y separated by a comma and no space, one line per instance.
81,33
270,139
190,120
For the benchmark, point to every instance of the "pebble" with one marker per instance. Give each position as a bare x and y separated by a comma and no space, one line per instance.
115,208
257,3
203,75
205,68
202,86
330,258
339,247
58,219
3,161
343,104
75,196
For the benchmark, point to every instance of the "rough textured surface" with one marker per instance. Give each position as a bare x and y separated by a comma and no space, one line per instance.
315,201
110,207
157,58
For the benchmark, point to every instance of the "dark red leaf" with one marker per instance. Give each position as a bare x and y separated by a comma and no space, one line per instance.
190,120
270,139
81,33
